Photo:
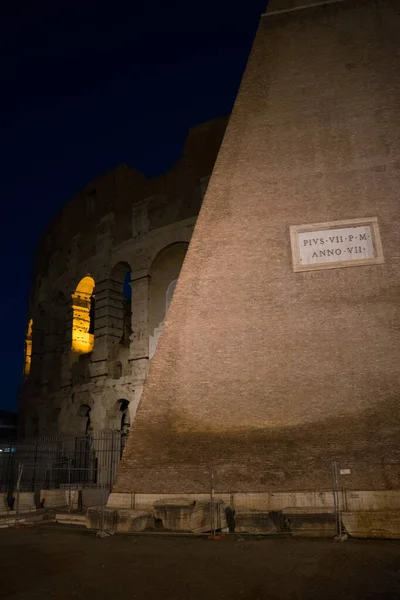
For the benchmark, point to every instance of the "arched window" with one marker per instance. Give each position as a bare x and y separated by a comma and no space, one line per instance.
28,349
83,316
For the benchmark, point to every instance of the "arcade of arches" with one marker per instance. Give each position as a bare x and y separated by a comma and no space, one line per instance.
105,273
116,324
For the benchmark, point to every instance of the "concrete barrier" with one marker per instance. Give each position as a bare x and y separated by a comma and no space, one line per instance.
4,508
372,524
53,498
366,513
124,520
25,502
310,522
257,521
184,514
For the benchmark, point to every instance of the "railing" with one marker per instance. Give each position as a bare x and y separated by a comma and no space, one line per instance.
54,462
81,470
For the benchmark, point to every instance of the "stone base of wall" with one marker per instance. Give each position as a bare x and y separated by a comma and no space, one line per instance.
187,515
124,520
299,514
350,500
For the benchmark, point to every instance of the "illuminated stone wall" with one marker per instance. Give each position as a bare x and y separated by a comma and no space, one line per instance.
123,231
267,373
82,299
28,349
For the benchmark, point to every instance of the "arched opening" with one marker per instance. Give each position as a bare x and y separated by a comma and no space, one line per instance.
165,272
120,303
83,307
28,349
125,421
127,310
84,414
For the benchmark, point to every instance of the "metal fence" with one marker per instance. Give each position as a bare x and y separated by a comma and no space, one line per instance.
57,462
207,499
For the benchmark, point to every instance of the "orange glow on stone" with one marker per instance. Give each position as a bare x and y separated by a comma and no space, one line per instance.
82,340
28,349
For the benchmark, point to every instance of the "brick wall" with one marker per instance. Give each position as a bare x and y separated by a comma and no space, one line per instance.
261,371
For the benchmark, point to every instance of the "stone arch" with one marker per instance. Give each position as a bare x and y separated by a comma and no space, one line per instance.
118,415
121,296
164,273
113,311
162,244
83,420
124,421
28,349
83,309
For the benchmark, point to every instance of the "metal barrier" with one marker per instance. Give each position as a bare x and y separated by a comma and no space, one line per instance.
209,499
54,462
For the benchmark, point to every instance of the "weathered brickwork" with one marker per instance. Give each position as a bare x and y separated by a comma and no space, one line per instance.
122,230
266,373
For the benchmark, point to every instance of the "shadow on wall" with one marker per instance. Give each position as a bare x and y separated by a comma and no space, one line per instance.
165,272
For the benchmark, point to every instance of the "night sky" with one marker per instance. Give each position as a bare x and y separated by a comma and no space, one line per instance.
85,88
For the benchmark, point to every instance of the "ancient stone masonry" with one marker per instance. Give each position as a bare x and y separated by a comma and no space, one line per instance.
103,281
273,360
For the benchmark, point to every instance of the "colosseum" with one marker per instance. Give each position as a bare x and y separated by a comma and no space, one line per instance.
273,394
104,276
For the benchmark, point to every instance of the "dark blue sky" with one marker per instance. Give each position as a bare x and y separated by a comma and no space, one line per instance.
85,88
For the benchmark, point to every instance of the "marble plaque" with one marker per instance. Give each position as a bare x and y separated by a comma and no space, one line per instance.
336,244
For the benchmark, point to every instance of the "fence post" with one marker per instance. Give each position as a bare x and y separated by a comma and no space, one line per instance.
10,473
103,501
35,460
69,463
212,515
20,469
340,536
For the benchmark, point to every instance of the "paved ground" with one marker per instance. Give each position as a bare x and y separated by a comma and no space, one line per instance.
47,562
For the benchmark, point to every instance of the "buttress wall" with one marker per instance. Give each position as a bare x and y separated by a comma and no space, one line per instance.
266,373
